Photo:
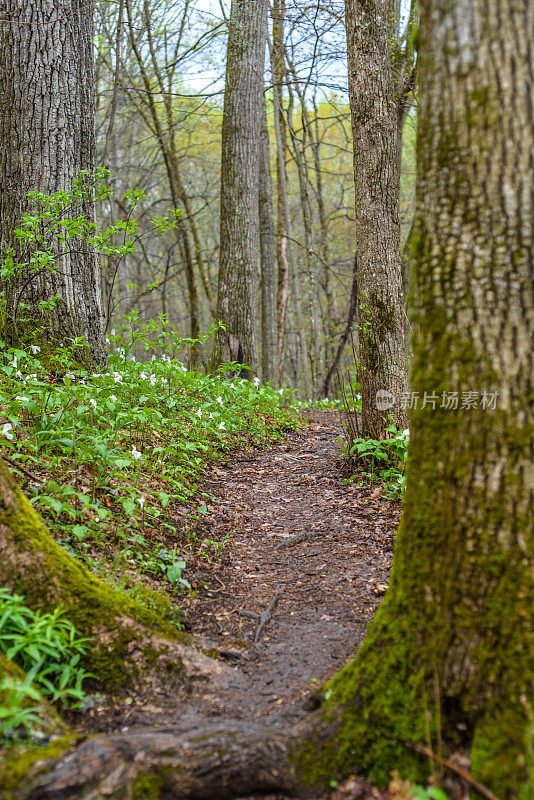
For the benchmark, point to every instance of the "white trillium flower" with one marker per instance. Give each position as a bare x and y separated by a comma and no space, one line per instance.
15,362
113,398
6,430
406,432
93,402
141,500
257,382
35,349
199,413
143,376
152,380
22,399
222,426
220,400
136,453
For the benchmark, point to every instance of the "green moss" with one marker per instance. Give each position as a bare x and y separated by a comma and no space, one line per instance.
150,785
96,609
17,764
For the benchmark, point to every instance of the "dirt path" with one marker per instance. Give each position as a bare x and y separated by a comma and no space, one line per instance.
320,590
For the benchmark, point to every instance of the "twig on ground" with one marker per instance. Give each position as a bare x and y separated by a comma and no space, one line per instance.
298,538
24,471
265,616
462,773
251,614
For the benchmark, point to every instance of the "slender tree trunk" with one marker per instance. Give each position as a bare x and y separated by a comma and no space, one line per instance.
239,242
308,221
152,115
353,304
283,243
376,175
47,136
269,311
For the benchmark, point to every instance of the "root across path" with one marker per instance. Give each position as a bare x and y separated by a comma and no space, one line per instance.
305,561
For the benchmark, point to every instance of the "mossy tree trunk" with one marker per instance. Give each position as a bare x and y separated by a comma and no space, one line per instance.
373,102
239,245
455,633
47,137
126,637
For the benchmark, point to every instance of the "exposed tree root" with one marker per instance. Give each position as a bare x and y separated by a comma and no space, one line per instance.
223,759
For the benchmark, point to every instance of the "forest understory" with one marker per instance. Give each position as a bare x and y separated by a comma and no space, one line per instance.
305,561
279,609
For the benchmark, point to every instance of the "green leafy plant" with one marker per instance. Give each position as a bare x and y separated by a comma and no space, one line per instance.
174,574
429,793
382,460
46,646
17,715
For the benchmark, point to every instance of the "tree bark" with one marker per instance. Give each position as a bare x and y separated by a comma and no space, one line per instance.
269,282
353,304
239,241
376,175
47,135
453,641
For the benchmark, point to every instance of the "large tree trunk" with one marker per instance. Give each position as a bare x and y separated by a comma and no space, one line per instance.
239,247
47,138
376,175
454,636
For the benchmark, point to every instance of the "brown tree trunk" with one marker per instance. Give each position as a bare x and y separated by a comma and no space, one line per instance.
239,241
269,311
47,137
353,304
451,649
283,243
376,175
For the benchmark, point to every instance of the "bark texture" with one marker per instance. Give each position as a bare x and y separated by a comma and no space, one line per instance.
239,248
454,637
198,761
376,174
47,137
269,277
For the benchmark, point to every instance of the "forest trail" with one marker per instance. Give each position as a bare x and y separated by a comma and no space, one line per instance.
302,548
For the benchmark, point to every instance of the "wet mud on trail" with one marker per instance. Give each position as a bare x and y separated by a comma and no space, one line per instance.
305,562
